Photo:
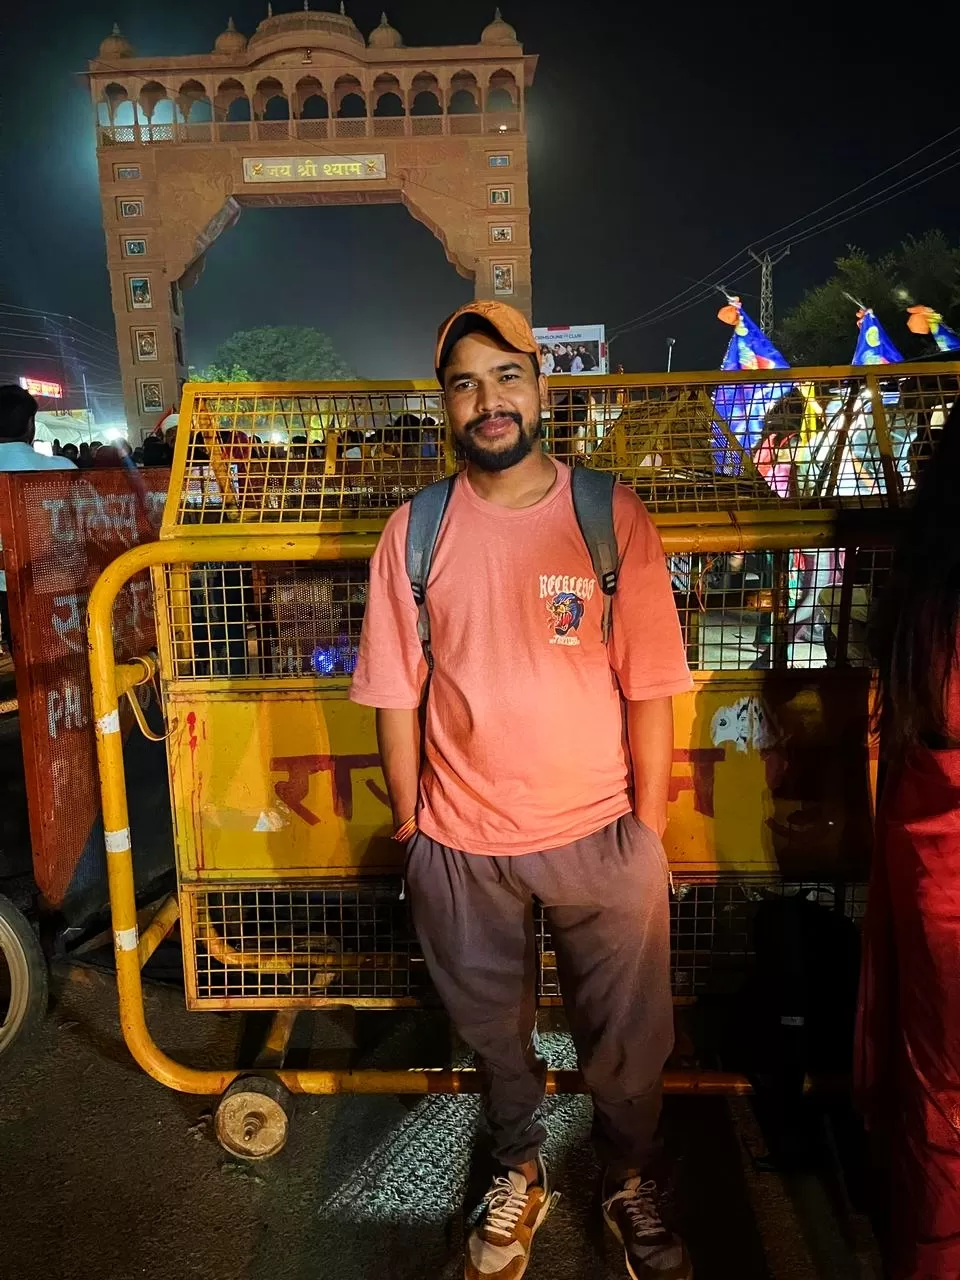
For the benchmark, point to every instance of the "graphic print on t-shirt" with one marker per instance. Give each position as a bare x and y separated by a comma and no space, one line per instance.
566,596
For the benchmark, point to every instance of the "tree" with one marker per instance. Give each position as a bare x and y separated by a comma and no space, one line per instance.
220,373
282,353
821,329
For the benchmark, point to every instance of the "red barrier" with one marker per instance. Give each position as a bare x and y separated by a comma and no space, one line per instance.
59,529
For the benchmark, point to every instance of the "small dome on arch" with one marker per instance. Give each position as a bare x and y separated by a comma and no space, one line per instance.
313,23
384,36
116,45
498,31
231,40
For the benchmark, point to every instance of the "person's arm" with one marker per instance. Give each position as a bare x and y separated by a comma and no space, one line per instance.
647,653
391,671
398,737
650,735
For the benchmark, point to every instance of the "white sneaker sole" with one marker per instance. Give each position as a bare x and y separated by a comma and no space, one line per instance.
626,1257
541,1217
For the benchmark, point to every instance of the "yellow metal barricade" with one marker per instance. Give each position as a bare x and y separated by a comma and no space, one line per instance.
287,877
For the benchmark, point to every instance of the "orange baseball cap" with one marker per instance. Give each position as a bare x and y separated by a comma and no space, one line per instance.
511,324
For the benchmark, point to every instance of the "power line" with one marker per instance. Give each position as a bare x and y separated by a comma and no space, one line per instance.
841,218
705,282
61,315
837,219
687,305
828,225
803,235
20,354
868,181
767,263
50,333
85,358
43,337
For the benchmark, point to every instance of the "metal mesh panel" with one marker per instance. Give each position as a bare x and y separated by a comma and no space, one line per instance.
309,945
710,931
776,609
270,459
792,442
265,620
756,610
353,943
799,440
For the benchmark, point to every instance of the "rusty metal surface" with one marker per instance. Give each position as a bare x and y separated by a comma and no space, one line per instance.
59,529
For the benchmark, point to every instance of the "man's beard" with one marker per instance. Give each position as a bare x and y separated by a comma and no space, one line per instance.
497,459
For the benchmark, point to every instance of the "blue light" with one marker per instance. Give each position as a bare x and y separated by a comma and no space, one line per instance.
336,660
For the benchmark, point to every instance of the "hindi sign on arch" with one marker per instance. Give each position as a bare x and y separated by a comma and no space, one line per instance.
313,168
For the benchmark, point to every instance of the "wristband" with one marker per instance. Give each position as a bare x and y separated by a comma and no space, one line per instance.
406,831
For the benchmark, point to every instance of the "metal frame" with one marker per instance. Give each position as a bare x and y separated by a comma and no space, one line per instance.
745,493
233,535
132,950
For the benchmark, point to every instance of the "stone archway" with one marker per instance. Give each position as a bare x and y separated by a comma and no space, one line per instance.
168,193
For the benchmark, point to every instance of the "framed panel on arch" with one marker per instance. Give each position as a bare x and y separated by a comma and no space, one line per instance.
145,344
140,293
503,278
150,395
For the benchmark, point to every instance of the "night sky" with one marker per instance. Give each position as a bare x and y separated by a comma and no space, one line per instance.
663,139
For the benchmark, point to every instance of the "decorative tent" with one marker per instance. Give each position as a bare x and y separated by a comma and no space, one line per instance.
926,320
744,407
873,344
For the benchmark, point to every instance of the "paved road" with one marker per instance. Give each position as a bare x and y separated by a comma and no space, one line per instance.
106,1174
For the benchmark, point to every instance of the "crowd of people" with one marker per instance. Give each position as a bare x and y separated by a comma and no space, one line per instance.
156,451
567,357
408,435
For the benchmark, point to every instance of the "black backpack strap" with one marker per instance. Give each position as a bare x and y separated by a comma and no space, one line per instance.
427,510
593,507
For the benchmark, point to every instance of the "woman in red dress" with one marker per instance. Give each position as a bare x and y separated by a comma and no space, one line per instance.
909,1026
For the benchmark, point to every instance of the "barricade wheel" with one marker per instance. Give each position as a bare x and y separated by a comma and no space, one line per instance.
252,1119
23,983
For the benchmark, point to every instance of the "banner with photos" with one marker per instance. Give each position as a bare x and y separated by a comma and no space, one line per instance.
573,349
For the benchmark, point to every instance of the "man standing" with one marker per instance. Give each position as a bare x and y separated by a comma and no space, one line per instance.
18,412
525,786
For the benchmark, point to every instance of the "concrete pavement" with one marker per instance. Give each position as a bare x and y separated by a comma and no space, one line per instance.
105,1174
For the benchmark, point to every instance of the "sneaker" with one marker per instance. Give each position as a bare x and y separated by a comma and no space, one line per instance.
498,1248
651,1251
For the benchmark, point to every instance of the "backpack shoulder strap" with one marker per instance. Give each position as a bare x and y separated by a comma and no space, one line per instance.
427,510
593,507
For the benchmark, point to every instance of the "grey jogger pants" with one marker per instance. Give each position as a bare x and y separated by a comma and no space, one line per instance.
606,902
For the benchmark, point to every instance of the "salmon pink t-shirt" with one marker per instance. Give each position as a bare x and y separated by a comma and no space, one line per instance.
524,746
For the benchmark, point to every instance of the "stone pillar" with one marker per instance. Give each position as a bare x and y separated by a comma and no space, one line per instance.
503,268
147,310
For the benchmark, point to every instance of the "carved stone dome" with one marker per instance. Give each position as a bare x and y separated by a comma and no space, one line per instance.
116,45
313,22
231,40
498,32
385,36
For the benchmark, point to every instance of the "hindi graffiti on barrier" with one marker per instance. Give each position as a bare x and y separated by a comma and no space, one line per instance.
292,790
60,529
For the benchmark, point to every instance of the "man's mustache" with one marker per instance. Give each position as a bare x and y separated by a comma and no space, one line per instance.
474,423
